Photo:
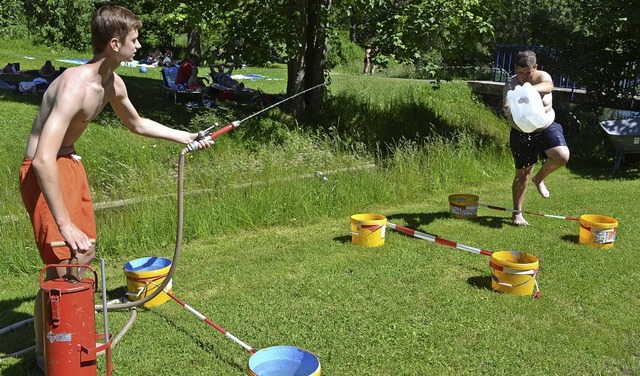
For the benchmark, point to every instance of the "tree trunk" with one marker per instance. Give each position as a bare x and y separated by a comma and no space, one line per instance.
316,54
305,68
193,43
296,66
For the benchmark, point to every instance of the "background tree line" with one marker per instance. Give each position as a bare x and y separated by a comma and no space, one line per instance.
597,41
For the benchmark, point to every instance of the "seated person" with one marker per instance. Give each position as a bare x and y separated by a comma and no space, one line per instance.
47,70
149,60
195,82
167,59
9,69
157,56
184,71
224,78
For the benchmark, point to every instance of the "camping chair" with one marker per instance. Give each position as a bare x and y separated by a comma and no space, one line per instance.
169,85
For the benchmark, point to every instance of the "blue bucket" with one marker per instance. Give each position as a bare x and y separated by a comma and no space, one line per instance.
283,361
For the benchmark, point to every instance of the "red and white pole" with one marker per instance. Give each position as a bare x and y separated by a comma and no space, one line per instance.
528,212
438,240
210,322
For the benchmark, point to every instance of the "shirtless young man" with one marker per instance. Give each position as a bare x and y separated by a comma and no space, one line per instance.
527,146
53,181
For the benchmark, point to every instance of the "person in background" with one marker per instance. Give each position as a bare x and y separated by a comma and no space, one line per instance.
367,61
53,181
195,82
157,56
526,147
167,59
48,70
184,71
9,69
224,78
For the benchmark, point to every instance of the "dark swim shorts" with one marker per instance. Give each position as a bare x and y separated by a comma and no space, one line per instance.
526,147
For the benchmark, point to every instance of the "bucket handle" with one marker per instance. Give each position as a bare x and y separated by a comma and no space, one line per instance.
536,294
147,282
371,228
140,291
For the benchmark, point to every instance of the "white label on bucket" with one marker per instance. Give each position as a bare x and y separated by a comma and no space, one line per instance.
604,236
466,211
383,231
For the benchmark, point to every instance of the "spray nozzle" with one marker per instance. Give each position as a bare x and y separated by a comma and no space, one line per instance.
195,144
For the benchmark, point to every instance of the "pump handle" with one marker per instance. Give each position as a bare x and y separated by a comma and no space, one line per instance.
64,243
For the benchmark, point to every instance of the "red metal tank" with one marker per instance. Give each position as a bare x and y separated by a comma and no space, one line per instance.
69,324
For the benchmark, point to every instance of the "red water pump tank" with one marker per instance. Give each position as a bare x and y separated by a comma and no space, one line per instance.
69,325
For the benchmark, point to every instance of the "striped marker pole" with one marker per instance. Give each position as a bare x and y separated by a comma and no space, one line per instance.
208,321
528,212
438,240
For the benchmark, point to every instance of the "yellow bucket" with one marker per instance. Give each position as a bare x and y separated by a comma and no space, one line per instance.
144,275
463,206
368,229
514,272
598,230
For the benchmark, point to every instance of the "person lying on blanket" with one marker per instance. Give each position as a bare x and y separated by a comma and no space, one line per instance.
224,78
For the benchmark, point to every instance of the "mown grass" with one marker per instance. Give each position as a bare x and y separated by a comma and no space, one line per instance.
268,254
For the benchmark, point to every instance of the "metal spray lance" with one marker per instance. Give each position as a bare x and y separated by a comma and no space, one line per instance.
206,135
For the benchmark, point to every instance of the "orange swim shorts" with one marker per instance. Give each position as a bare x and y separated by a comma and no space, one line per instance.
77,197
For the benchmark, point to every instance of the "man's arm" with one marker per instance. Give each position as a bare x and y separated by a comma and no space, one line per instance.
129,116
544,83
58,114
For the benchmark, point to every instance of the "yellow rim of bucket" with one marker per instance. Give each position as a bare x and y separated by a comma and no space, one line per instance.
507,259
463,199
369,219
600,221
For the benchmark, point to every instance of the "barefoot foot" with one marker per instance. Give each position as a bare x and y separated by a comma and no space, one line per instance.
519,220
542,189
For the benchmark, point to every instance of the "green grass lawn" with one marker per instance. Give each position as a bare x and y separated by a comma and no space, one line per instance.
268,253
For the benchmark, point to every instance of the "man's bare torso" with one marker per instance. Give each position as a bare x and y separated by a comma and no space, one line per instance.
70,103
547,98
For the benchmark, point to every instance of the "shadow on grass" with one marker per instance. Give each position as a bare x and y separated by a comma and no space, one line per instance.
343,239
18,339
575,239
415,220
379,128
145,93
480,282
493,222
598,170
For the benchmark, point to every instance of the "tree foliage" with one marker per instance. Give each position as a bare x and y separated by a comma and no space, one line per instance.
12,20
605,48
61,22
411,30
